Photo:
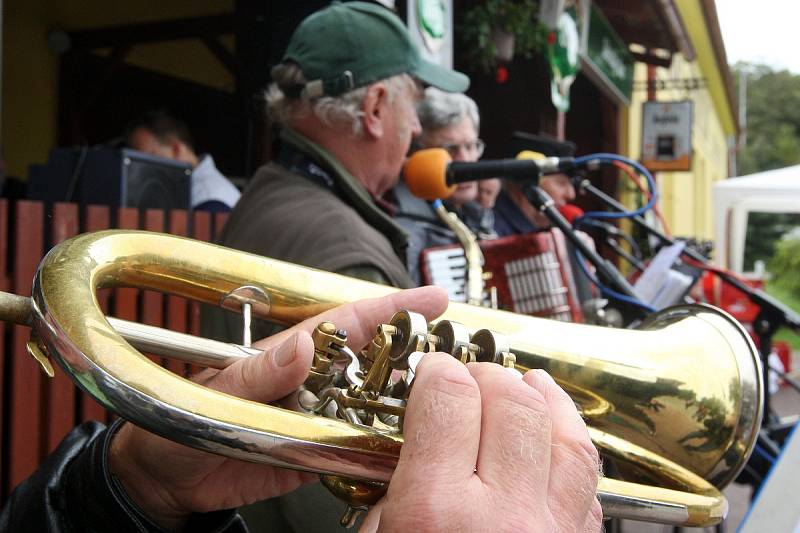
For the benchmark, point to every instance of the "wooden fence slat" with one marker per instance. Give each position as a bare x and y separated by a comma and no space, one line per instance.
152,311
62,391
177,307
201,230
38,414
26,439
98,217
126,305
4,385
126,300
219,223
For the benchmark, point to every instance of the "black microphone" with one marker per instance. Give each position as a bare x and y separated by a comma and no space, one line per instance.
609,229
430,174
572,212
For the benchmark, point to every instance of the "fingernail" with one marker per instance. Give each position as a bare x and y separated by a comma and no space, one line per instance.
286,352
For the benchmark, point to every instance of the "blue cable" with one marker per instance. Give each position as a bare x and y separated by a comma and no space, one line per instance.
764,454
607,291
651,184
605,158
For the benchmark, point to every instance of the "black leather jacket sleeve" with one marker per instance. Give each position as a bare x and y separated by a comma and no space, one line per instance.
74,491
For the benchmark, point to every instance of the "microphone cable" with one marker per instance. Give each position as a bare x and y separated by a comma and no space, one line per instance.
592,161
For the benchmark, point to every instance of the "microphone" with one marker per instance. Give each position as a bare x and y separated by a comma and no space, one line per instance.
430,174
572,212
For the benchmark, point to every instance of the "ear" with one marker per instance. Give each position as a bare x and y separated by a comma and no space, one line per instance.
375,107
175,149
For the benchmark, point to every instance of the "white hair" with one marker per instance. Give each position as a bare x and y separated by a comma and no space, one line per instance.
343,110
441,110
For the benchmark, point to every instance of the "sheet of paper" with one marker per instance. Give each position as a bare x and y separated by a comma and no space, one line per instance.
659,274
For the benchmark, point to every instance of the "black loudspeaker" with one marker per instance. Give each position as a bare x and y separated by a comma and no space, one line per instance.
108,176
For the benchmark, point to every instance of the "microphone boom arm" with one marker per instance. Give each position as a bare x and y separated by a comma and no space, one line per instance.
541,201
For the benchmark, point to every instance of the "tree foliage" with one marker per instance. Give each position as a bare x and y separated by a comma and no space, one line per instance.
764,233
516,17
773,118
785,264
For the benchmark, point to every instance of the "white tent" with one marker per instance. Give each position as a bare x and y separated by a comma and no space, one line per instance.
773,191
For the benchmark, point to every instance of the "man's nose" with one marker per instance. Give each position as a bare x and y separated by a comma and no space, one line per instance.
416,127
570,192
463,154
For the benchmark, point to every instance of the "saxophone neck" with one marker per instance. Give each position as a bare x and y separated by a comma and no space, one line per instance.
472,251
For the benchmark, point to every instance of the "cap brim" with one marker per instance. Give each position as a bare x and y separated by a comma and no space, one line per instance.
442,78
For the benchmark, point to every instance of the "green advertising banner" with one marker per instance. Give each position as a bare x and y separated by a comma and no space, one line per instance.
608,59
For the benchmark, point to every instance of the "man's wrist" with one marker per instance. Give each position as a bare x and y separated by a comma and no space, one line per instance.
133,485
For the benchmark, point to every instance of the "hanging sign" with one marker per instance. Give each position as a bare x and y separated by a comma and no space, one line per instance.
667,135
563,45
431,25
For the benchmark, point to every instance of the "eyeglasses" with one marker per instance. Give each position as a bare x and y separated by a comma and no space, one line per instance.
475,147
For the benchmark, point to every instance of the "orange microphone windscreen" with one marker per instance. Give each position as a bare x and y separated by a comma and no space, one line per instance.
425,174
570,212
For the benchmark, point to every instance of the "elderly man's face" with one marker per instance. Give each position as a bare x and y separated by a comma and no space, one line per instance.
462,143
559,187
402,125
488,191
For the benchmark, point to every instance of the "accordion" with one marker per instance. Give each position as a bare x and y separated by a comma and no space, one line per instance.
529,274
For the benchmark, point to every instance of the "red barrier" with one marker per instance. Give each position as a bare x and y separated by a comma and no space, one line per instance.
40,411
63,394
26,435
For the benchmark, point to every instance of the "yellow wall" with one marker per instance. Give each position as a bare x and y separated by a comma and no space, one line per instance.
686,196
692,13
30,68
29,85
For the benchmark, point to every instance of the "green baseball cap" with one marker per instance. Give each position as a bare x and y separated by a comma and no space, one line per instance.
350,45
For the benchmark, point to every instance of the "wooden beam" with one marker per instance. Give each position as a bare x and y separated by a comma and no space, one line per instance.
151,32
651,59
224,56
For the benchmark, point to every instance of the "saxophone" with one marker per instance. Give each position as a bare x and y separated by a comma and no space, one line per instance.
473,253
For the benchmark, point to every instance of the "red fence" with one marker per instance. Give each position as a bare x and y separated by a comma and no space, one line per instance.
36,412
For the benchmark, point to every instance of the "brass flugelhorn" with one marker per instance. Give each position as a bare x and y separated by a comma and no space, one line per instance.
677,402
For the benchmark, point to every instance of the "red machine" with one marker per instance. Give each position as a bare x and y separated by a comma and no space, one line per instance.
530,274
735,302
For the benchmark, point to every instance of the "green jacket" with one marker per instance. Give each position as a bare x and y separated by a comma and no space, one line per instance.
288,216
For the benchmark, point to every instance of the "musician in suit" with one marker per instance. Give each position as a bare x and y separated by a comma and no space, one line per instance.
515,215
450,121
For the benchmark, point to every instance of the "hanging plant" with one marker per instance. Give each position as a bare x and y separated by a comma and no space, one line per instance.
496,30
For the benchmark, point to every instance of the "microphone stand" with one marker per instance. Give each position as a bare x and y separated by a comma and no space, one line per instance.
620,251
609,273
772,314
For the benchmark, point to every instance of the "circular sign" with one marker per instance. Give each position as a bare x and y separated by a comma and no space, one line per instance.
432,20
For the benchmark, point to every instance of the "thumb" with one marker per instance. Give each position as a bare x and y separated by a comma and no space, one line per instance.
270,375
373,519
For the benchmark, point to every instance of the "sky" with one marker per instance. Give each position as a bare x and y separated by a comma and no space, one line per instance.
764,31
